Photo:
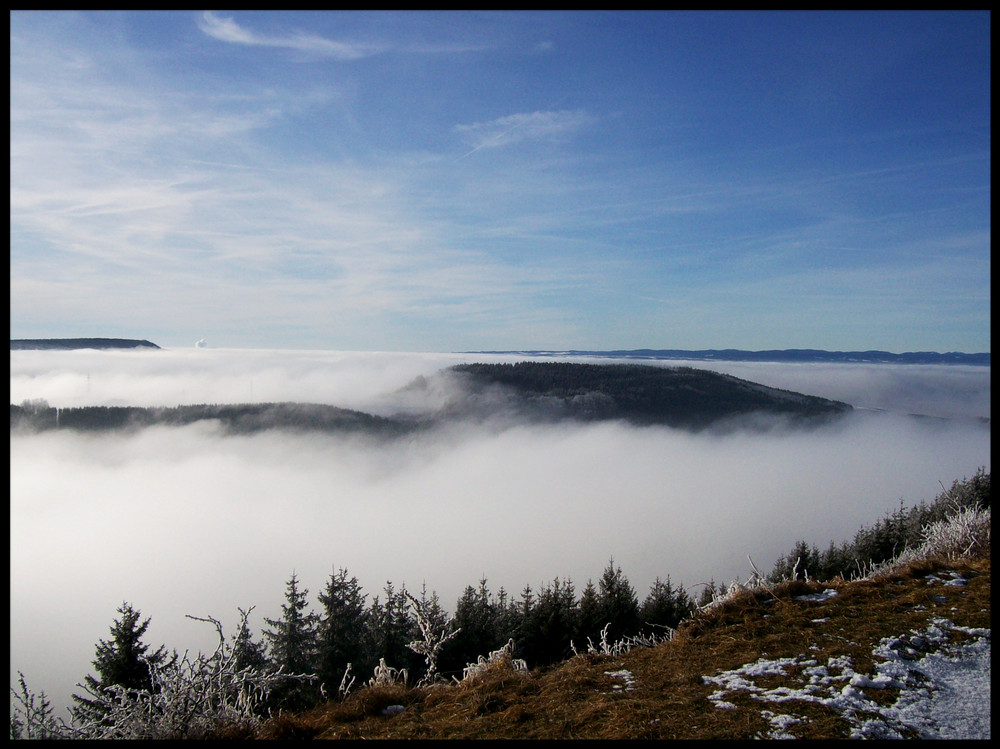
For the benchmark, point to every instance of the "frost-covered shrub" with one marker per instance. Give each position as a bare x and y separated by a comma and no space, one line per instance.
385,675
189,698
626,643
497,659
736,588
951,517
32,716
346,682
965,532
434,637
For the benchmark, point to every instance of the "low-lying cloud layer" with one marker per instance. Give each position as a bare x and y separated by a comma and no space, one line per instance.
188,521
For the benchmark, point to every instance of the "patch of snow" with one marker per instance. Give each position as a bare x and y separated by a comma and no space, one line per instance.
824,595
625,676
779,723
956,579
943,695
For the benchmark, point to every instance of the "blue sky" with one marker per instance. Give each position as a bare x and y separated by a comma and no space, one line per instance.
463,181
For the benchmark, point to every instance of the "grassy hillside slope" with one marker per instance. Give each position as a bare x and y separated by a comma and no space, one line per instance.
830,641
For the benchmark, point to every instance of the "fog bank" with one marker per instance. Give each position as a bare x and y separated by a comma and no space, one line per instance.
187,521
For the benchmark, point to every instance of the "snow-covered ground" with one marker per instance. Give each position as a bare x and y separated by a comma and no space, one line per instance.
944,686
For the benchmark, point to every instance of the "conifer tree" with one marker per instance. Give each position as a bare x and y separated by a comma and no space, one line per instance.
590,619
619,605
550,625
506,618
833,562
431,607
523,605
665,606
391,627
341,629
123,660
474,617
659,607
685,604
803,560
708,592
293,645
246,652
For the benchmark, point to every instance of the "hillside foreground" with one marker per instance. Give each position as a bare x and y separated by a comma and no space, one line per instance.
901,655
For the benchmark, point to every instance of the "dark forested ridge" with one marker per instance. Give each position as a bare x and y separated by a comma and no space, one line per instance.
774,355
535,391
67,344
243,418
642,394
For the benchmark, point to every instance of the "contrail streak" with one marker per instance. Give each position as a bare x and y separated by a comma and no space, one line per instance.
521,123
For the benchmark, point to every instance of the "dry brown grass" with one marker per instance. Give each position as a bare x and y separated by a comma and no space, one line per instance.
665,696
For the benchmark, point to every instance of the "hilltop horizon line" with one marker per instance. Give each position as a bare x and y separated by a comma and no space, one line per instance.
802,355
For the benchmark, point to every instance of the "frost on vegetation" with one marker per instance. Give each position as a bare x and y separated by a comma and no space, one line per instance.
625,644
189,698
346,682
386,675
433,640
502,658
735,589
964,532
32,717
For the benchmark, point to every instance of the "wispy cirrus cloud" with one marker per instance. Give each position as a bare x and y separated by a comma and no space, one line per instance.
227,30
113,186
515,128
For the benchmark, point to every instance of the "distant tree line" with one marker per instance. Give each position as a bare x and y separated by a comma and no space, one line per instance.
884,540
240,418
66,344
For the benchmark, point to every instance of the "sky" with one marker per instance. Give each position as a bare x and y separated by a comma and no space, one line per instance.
187,520
455,181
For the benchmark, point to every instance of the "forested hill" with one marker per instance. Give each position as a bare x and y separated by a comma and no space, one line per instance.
527,391
642,394
67,344
242,418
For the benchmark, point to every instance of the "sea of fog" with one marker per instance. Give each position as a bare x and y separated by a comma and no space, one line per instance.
187,521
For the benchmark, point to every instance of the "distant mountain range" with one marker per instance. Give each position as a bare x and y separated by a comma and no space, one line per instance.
772,355
67,344
776,355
